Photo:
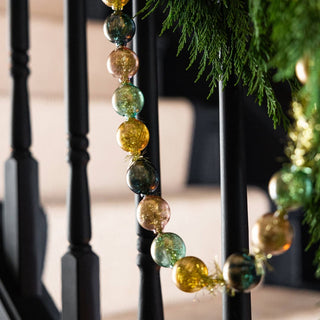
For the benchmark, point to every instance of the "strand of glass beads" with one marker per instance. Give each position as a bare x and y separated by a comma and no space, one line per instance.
241,271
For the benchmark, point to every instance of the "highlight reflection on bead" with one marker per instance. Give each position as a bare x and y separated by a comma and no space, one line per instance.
167,249
241,272
142,177
119,28
190,274
153,213
133,136
272,234
123,63
116,4
127,100
290,188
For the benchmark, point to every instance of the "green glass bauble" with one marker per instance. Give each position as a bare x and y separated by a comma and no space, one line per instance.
167,249
127,100
291,187
241,272
119,28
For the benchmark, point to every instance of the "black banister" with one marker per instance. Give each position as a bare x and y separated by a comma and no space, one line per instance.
233,191
80,265
144,44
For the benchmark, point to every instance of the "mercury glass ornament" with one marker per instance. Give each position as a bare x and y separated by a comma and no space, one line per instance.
123,63
291,187
115,4
153,213
127,100
142,177
190,274
241,272
119,28
133,136
272,234
167,249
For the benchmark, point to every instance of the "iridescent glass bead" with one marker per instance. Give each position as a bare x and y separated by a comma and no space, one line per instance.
116,4
153,213
272,234
241,272
291,187
123,63
167,249
119,28
127,100
142,177
190,274
133,136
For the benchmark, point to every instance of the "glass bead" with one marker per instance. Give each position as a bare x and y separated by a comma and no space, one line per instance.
115,4
127,100
241,272
190,274
133,136
291,187
167,249
123,63
302,70
142,177
153,213
272,234
119,28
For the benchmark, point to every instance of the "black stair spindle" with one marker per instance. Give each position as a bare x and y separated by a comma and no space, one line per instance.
233,191
24,226
144,44
80,265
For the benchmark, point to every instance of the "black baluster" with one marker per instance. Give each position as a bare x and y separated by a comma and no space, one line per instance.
233,191
144,44
80,265
23,221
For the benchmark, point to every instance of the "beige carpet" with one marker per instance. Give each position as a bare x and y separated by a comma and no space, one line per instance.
268,303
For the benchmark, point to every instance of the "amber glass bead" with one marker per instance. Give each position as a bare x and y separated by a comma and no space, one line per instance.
127,100
242,272
119,28
190,274
133,136
116,4
123,63
153,213
272,234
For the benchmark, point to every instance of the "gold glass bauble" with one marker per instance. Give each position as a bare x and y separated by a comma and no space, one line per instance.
302,70
190,274
123,63
272,234
133,136
115,4
153,213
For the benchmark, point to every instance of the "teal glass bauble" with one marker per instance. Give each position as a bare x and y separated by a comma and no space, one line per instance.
127,100
241,272
142,177
291,187
167,248
119,28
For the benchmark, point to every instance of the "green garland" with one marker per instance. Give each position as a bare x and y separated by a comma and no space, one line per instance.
253,40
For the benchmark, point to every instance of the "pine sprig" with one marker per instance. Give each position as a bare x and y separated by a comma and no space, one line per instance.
220,35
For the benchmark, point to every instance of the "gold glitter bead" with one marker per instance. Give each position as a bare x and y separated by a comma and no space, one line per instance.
302,70
272,234
115,4
190,274
133,136
123,63
153,213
